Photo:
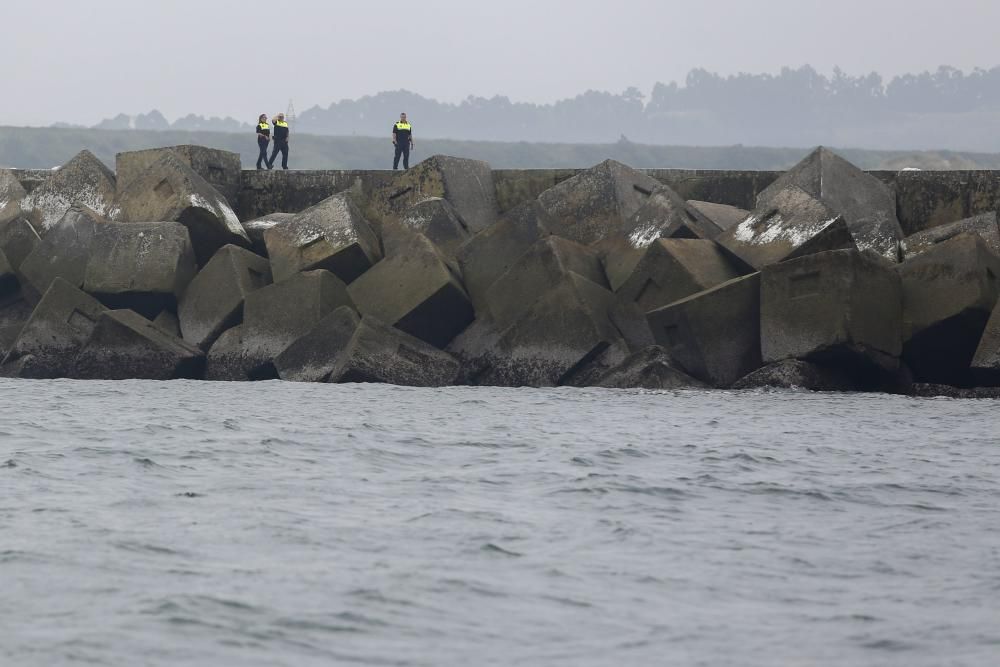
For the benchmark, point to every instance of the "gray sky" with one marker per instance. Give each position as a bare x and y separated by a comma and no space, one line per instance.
83,61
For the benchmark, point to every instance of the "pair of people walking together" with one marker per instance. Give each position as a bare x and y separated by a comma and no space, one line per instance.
280,141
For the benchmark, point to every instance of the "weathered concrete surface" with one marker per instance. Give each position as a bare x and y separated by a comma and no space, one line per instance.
797,374
213,301
985,363
63,253
466,184
220,169
596,203
723,215
17,240
49,342
142,266
11,194
665,215
985,225
169,323
416,292
255,229
931,198
438,220
491,252
276,316
14,313
839,307
672,269
83,180
8,277
650,368
125,345
790,223
230,360
331,235
949,292
714,335
378,352
169,190
267,192
866,204
312,357
542,267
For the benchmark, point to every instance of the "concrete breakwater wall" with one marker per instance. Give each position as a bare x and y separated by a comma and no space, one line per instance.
179,264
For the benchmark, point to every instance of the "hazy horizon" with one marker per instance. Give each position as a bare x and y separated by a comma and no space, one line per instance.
82,63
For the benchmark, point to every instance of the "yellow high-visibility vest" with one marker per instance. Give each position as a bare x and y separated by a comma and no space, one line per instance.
263,126
403,126
280,123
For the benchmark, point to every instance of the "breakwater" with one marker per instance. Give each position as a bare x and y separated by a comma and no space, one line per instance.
180,264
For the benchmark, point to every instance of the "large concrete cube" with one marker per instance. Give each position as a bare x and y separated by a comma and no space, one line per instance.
416,292
672,269
14,313
220,169
949,292
723,216
169,190
51,338
984,225
596,203
255,229
83,180
63,253
867,205
142,266
666,215
713,335
125,345
466,184
213,301
438,220
17,240
790,223
11,194
312,357
841,307
276,316
231,360
650,368
331,235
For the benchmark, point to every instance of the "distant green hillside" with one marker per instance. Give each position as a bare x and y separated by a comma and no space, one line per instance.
39,148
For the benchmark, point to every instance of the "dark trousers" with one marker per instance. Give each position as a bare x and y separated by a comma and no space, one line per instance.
402,148
283,147
262,145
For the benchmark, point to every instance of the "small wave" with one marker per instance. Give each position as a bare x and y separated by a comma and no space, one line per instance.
9,463
493,548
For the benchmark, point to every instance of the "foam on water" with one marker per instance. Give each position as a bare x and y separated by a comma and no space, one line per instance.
292,524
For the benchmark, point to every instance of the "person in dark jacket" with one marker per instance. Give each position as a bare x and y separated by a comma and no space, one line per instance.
280,142
402,139
263,139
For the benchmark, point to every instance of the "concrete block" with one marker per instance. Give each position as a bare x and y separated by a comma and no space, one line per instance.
276,316
83,180
417,293
790,223
169,322
231,360
63,253
984,225
220,169
949,292
331,235
723,215
867,205
651,368
666,215
713,335
841,308
142,266
17,239
11,194
169,190
438,220
378,352
539,269
596,203
213,301
58,327
14,313
255,230
8,276
466,184
797,374
985,363
672,269
491,252
125,345
312,357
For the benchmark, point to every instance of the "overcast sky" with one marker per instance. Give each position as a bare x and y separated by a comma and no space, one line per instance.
82,61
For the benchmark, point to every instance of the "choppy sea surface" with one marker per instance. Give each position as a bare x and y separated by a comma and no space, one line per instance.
186,523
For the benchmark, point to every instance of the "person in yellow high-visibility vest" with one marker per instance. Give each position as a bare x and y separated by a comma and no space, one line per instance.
402,139
263,139
280,142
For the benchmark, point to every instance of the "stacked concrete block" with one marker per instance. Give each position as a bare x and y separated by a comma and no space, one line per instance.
63,253
984,225
722,215
84,180
713,335
169,190
332,235
798,374
949,292
666,215
17,240
11,195
256,228
213,301
14,313
230,360
436,219
220,169
144,267
650,368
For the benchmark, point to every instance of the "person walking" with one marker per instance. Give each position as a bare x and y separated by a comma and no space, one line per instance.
280,142
402,139
263,139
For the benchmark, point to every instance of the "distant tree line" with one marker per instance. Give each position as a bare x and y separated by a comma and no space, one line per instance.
796,107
